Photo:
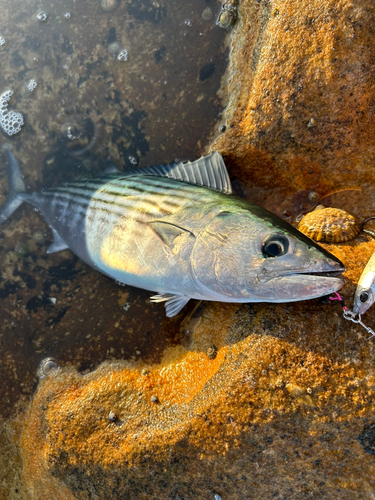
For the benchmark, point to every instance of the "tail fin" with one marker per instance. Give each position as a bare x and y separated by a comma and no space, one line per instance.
16,187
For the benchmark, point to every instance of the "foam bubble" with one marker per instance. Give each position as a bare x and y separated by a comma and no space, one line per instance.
2,41
123,55
32,85
10,121
42,16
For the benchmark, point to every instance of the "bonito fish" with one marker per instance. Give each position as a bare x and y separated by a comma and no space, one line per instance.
178,231
365,293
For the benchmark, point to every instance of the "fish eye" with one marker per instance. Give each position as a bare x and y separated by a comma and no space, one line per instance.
364,297
275,246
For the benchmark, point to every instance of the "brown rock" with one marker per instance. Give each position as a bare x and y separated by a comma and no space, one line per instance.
302,98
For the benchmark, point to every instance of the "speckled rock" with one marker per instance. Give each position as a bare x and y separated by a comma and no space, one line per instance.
221,425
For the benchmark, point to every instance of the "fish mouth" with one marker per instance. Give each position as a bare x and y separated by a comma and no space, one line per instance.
327,274
334,274
295,285
267,275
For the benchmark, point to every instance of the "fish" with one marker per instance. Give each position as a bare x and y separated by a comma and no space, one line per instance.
178,230
364,295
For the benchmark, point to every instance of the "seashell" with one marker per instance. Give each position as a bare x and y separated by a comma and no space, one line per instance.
112,416
108,5
212,352
330,225
46,367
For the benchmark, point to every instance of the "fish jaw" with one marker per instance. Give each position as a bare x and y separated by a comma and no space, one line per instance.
296,287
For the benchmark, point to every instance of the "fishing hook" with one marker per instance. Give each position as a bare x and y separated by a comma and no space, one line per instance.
351,316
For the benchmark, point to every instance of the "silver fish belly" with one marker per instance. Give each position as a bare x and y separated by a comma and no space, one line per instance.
177,230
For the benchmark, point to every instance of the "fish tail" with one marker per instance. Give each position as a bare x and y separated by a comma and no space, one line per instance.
16,188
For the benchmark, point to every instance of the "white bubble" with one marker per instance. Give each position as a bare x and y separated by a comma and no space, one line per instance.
67,15
2,40
133,160
32,85
189,23
42,16
10,121
72,133
123,55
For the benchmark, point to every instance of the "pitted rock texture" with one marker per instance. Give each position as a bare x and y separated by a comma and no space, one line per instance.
289,396
302,99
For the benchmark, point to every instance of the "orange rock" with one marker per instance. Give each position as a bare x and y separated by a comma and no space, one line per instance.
302,95
214,415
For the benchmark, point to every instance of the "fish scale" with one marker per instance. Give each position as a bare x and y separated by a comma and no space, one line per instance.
178,231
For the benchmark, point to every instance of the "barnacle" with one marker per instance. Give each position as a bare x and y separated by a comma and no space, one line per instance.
330,225
228,15
207,14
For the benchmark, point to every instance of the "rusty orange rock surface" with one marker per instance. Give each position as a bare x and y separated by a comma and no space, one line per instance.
291,388
302,96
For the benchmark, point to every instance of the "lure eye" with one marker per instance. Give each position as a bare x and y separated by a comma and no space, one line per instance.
275,246
364,297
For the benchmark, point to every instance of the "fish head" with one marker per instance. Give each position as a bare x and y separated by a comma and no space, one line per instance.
258,257
364,295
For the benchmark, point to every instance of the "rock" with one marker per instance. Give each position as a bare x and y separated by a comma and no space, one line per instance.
285,409
301,100
218,415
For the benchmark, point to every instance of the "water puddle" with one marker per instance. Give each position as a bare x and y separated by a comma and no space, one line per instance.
139,81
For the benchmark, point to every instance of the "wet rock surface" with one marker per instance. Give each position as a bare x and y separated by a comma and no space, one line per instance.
302,115
252,401
289,395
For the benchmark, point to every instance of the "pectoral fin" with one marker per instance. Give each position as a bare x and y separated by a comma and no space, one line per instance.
173,303
168,232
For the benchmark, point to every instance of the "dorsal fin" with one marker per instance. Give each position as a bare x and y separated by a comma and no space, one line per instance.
209,171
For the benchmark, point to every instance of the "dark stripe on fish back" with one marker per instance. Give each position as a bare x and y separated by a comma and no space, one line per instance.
150,197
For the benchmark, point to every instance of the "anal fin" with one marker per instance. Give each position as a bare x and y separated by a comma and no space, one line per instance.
173,303
58,243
